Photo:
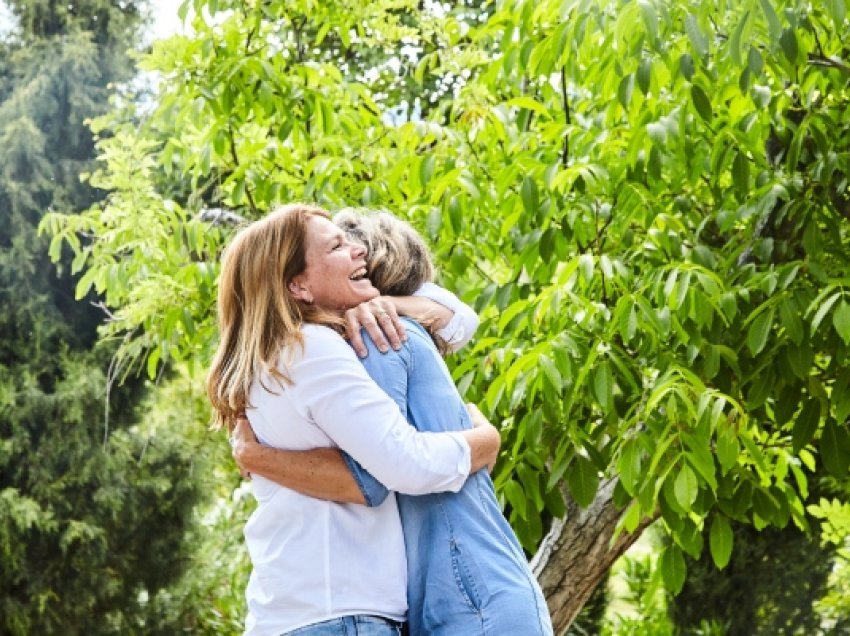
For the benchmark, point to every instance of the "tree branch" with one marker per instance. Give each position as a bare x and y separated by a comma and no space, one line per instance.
565,153
577,553
235,157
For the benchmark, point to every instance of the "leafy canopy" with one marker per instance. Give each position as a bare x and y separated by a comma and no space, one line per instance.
647,202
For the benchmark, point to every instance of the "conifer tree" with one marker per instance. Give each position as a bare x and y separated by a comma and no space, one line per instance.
92,513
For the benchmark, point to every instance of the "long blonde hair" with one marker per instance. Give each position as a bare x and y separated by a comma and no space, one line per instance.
257,315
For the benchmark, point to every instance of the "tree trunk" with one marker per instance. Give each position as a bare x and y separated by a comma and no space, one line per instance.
577,553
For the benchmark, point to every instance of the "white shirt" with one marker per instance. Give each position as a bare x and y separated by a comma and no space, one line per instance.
460,329
312,559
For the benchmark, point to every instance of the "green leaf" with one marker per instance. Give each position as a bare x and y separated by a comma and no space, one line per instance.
755,62
628,466
727,449
759,331
686,66
698,40
426,169
551,372
841,404
700,457
837,11
805,425
701,102
516,497
583,480
741,174
631,518
603,385
720,541
644,75
531,486
835,449
823,309
735,40
85,283
455,214
841,321
183,10
796,145
772,19
685,487
788,41
673,568
528,193
789,316
764,505
625,90
529,104
650,19
153,360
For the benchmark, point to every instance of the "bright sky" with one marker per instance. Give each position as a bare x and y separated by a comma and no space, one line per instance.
166,22
164,13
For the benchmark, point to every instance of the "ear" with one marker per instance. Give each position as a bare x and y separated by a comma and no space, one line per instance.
299,291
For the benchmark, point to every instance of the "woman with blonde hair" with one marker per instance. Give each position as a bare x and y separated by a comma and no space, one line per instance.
320,567
467,574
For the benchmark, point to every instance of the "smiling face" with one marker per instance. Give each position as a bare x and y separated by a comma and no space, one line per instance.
335,274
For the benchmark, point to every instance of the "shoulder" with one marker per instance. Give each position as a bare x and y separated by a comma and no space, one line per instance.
417,335
322,341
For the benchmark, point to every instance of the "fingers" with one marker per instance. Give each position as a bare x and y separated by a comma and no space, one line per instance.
374,323
398,334
380,320
476,415
242,432
240,437
352,332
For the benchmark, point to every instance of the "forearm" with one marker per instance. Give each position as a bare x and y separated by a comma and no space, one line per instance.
423,310
320,472
484,443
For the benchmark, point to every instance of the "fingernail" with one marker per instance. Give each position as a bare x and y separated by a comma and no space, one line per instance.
384,348
362,354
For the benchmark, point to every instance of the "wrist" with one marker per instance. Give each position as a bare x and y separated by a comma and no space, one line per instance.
246,455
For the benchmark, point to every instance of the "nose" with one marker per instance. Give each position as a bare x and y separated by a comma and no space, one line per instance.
358,250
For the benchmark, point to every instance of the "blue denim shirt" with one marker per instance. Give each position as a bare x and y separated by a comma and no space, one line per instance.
467,574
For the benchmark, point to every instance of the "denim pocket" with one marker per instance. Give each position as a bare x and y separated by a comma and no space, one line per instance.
376,626
468,578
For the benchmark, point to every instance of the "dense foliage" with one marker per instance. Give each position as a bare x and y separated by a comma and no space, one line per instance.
93,507
647,201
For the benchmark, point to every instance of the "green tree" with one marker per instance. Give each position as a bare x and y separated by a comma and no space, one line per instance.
773,580
647,201
93,507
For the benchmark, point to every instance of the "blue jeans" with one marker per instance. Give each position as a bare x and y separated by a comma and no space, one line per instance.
358,625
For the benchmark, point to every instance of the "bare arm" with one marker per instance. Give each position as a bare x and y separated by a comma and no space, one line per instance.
423,310
320,472
487,450
323,474
380,318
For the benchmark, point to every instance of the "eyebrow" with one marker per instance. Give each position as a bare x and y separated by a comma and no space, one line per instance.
338,236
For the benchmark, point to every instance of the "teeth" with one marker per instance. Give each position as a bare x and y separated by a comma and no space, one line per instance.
360,273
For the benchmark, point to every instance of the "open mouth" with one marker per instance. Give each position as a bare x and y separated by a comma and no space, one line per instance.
359,274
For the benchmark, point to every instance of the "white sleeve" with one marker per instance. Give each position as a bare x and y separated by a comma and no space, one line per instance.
333,390
463,323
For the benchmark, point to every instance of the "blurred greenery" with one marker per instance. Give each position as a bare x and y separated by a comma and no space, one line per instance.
646,202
